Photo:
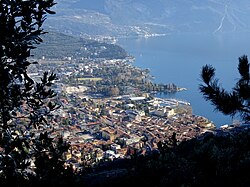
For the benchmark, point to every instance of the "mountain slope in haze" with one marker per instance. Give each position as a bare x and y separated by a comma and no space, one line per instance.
142,17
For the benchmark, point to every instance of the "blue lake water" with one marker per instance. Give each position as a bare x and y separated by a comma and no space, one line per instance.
178,58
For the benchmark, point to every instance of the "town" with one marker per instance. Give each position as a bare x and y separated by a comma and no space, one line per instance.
108,110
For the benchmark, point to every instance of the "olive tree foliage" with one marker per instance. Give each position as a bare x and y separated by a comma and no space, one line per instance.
24,103
229,103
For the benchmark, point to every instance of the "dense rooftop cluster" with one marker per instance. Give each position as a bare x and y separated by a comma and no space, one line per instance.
103,127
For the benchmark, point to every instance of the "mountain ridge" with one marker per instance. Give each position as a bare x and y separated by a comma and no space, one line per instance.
139,18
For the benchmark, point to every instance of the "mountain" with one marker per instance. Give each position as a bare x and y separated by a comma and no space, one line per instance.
145,17
59,46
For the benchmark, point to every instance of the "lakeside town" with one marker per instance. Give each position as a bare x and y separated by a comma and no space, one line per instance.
108,120
76,111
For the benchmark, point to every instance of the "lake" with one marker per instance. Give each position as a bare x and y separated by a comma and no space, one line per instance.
178,59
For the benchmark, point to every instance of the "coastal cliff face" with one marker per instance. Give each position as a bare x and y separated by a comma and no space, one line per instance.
137,17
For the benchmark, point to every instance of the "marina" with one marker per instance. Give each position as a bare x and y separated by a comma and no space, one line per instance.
171,102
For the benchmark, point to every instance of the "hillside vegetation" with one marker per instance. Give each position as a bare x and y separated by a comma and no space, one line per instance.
58,45
216,159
